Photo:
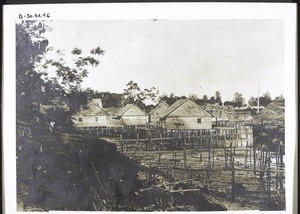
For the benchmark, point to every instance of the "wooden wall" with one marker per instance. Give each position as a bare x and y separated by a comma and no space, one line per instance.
135,120
91,121
187,123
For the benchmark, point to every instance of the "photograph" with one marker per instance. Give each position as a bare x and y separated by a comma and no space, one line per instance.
150,113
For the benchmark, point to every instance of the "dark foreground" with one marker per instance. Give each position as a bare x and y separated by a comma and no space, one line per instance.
61,171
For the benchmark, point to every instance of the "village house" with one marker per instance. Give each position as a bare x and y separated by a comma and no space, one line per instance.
243,115
94,115
129,115
221,116
186,114
157,112
53,105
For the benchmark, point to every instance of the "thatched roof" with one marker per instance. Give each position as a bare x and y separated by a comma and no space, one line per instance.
274,113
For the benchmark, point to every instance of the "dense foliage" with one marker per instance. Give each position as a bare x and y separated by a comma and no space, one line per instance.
35,88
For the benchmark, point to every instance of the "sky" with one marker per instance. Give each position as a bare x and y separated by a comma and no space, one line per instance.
180,56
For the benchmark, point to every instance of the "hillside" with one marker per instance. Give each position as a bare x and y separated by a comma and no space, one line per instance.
57,170
60,171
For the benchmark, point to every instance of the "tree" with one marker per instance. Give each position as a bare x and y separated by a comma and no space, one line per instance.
33,84
218,98
170,99
193,97
265,99
205,98
252,101
131,93
151,94
110,99
238,99
70,76
134,95
30,49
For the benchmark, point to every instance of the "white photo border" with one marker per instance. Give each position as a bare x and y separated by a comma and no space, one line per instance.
131,11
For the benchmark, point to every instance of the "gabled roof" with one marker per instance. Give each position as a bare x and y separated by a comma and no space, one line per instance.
120,111
159,108
180,103
113,111
98,102
125,108
129,106
174,106
92,109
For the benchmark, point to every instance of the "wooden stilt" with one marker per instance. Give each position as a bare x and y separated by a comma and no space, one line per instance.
232,181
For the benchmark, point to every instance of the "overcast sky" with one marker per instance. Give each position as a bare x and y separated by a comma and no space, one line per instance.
183,57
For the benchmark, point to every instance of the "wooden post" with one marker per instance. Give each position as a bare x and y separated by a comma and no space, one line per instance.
269,179
206,180
277,182
209,155
147,141
281,156
184,158
246,155
159,156
161,142
190,175
266,158
250,156
213,153
174,175
231,158
254,160
122,147
261,163
276,158
232,181
225,156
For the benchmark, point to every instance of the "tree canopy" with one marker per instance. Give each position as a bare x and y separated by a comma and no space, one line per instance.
133,94
264,100
238,99
34,87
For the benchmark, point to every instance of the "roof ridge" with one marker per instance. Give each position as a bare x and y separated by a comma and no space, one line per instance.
169,111
158,105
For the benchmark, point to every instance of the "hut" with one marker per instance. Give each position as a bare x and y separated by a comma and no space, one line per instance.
157,112
132,115
186,114
94,115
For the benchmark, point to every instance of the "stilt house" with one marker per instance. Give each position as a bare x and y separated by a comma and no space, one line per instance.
186,114
93,115
157,112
